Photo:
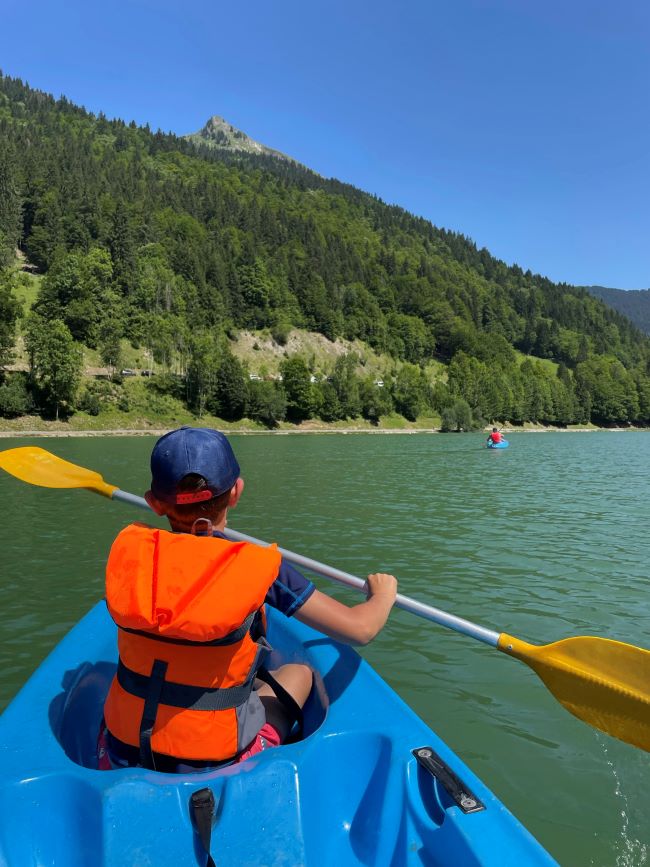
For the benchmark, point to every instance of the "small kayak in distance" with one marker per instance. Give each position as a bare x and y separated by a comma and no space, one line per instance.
369,784
502,444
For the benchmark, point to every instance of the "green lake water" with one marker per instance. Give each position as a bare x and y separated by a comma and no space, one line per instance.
546,539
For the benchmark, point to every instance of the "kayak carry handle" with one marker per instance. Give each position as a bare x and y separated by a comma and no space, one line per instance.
428,759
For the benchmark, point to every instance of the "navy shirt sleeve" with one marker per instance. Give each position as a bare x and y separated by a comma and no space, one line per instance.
290,590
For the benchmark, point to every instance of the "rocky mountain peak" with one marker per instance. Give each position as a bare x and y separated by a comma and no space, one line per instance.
219,133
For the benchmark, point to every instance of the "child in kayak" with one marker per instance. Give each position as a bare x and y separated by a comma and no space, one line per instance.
495,437
191,690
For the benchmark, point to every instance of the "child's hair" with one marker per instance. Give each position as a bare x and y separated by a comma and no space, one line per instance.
185,515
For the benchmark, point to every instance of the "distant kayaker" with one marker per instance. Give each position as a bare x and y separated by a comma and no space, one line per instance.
191,689
495,437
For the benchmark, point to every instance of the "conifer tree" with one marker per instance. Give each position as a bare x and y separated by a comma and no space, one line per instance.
9,313
10,203
229,396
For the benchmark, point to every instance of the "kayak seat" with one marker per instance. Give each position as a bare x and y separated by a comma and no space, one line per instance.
76,713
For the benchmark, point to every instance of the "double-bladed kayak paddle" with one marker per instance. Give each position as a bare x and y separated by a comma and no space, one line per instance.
603,682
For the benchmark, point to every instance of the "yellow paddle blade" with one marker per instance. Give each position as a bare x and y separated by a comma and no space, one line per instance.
39,467
604,683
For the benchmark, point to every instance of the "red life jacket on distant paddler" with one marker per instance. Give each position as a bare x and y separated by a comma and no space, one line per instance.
191,624
495,436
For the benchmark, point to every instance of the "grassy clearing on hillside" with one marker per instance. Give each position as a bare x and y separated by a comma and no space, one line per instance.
26,290
262,355
545,362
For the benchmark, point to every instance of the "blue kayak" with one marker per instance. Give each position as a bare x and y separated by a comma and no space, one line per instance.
370,783
503,444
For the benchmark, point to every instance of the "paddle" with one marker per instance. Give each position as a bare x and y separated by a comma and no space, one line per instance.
605,683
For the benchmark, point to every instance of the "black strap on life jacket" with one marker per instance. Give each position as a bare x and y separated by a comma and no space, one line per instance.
287,701
201,813
182,694
150,710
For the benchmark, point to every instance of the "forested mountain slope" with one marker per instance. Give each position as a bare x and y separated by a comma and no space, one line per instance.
175,245
632,303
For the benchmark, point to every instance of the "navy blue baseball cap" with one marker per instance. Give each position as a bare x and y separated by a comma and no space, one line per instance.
197,450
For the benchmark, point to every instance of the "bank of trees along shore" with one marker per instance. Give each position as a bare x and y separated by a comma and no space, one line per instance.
144,236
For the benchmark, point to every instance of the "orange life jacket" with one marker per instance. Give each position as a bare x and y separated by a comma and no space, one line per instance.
190,612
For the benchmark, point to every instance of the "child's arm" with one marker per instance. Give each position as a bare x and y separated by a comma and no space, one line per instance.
358,624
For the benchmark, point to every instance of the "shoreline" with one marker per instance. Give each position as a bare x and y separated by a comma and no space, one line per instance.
157,432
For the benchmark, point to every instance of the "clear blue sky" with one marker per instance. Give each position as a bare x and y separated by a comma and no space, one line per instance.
525,125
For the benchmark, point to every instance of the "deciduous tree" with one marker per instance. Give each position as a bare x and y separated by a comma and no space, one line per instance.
55,360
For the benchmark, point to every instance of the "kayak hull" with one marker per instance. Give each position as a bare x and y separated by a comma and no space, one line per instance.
350,793
500,445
